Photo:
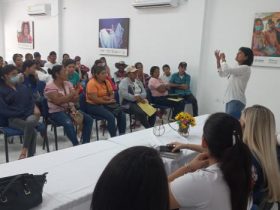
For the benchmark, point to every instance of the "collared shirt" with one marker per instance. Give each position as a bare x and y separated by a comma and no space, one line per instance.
238,78
181,80
74,78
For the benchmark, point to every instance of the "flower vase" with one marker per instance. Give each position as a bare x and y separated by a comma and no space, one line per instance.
183,131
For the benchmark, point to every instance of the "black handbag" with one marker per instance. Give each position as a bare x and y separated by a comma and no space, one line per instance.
21,192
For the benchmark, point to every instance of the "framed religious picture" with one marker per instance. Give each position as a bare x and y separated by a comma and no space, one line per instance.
114,36
266,39
25,34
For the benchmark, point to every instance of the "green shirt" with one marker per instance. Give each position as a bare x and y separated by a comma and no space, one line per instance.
181,80
74,78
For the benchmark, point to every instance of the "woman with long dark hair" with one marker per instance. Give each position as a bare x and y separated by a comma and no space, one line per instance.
62,97
220,177
134,179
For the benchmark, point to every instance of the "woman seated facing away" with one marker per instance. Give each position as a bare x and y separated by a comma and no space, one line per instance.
61,98
18,106
221,177
101,101
131,92
259,130
159,91
32,81
134,179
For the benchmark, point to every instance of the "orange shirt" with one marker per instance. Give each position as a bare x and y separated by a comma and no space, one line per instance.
99,89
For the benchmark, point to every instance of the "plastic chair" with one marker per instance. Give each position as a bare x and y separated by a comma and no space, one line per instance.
12,132
47,121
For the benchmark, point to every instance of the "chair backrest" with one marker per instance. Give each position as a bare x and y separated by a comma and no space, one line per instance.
44,108
82,102
149,95
3,121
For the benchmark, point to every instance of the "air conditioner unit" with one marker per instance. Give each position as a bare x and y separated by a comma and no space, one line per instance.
142,4
39,9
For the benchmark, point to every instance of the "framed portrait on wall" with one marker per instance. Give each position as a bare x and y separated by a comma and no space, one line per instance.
266,39
25,34
114,36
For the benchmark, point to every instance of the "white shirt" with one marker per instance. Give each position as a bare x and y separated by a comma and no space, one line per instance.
238,79
50,65
137,88
204,189
165,78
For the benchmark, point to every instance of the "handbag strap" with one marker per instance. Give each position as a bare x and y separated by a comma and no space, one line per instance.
108,91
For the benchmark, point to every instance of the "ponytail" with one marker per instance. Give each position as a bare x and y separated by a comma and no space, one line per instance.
224,138
55,70
235,165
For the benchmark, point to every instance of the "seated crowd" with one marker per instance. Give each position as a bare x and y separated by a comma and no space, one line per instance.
68,85
237,167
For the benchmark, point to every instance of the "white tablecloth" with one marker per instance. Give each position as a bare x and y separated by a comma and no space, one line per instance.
73,172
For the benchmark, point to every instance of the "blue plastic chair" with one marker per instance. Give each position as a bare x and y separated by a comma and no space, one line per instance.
47,121
12,132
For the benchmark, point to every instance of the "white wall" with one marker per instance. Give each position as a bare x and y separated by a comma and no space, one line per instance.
228,26
190,32
157,36
2,49
46,36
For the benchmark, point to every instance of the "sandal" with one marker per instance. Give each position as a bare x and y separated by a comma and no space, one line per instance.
22,156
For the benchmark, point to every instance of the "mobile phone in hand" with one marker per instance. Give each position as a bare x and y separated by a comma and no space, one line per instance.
167,148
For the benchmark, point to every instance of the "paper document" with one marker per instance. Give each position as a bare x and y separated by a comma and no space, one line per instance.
147,108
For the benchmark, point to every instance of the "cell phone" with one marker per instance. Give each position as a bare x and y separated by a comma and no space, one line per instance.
168,148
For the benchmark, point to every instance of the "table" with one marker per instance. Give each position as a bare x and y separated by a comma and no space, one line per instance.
73,172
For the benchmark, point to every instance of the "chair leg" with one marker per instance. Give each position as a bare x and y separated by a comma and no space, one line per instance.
170,114
55,137
21,141
130,123
46,140
96,126
6,148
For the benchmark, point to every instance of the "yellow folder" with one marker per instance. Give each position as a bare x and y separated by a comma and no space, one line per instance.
147,108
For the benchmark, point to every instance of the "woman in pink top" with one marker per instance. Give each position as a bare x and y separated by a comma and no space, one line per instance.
159,93
61,97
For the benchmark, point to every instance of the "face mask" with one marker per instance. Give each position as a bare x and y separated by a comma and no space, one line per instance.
14,80
258,28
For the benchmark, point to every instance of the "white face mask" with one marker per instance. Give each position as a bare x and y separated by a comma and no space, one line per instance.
15,79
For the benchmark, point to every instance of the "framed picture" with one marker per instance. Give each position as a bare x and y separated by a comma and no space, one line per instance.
114,36
266,39
25,34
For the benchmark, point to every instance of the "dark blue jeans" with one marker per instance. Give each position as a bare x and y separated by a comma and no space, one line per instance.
234,108
102,112
63,119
